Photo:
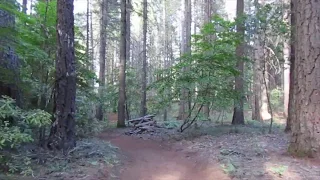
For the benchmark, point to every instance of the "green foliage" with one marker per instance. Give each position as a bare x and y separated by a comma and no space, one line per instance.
208,73
276,97
12,136
33,39
229,168
15,128
87,124
133,93
17,163
279,170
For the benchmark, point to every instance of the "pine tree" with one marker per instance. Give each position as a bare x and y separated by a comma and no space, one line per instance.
238,117
62,134
122,70
305,115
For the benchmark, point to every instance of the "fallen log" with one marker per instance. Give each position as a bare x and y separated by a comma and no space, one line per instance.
147,128
145,123
147,117
139,119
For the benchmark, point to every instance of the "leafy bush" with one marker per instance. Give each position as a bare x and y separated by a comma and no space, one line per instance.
15,129
210,69
276,98
86,120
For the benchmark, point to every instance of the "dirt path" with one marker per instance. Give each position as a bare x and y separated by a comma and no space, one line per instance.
150,160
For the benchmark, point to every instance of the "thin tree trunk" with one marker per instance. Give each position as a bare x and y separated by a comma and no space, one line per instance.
261,108
128,48
92,57
188,16
24,6
88,36
207,17
143,110
286,70
238,117
291,75
185,101
102,58
62,135
167,32
128,32
122,69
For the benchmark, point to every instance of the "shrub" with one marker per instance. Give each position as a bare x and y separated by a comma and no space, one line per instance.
15,129
276,97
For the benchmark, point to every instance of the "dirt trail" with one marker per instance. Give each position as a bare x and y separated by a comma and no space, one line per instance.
150,160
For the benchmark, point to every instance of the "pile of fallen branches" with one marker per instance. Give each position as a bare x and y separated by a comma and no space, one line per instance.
143,124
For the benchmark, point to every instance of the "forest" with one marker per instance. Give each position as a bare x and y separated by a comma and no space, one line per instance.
159,89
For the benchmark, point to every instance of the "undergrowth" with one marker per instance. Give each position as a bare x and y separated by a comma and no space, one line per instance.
90,152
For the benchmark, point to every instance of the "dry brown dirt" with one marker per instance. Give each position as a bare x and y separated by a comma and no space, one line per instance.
154,160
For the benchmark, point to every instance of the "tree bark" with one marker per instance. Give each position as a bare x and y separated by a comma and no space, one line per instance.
238,117
122,69
92,44
62,135
102,58
128,49
8,59
291,73
186,49
286,66
305,136
143,110
24,6
207,19
87,34
260,102
129,32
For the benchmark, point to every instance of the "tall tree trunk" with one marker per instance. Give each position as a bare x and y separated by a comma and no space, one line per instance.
207,19
143,110
62,135
92,55
286,66
102,58
31,5
261,108
166,47
188,41
24,6
87,34
9,61
305,136
129,32
128,48
291,73
185,101
122,69
238,117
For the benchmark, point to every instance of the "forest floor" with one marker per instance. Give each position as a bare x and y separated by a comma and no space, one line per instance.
210,151
220,152
147,159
